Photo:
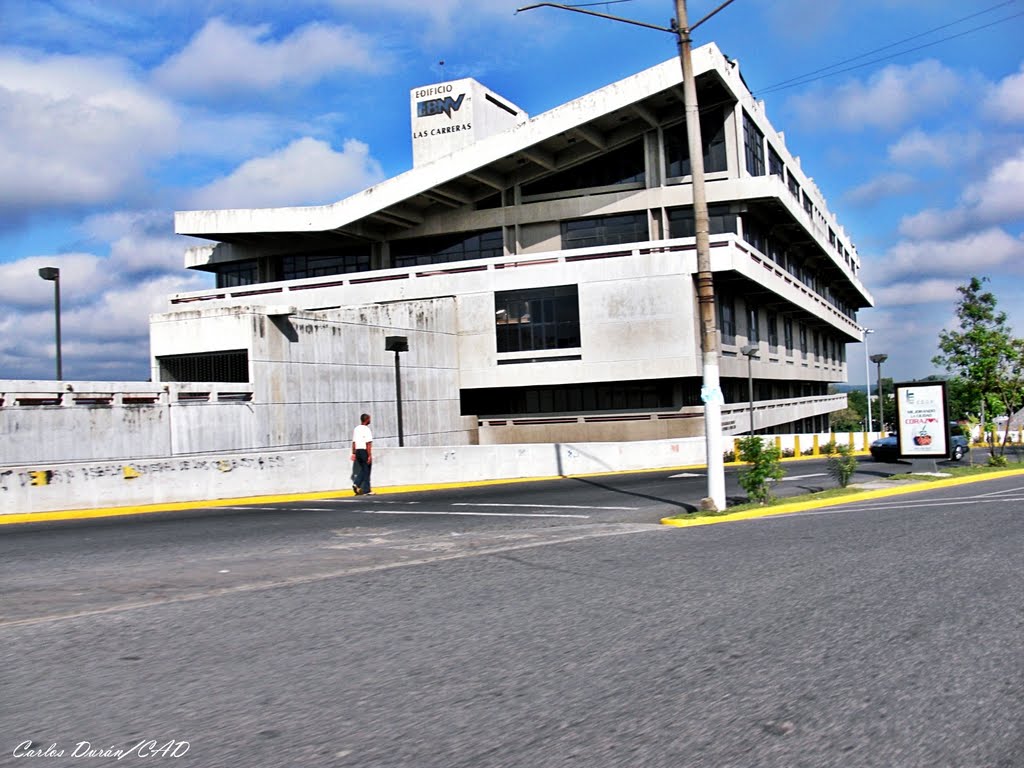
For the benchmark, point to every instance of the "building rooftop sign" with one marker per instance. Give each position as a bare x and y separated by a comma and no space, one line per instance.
449,116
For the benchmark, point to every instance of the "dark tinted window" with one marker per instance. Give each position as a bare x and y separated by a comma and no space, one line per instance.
712,138
605,230
753,142
537,318
235,273
301,265
229,366
569,398
618,166
681,224
437,250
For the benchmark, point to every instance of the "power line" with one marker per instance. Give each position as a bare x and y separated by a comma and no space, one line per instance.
810,78
891,45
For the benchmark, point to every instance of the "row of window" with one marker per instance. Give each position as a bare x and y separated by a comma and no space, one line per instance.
639,395
779,251
539,319
754,147
825,347
577,233
626,164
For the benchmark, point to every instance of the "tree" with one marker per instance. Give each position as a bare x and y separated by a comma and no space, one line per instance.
958,398
846,420
984,353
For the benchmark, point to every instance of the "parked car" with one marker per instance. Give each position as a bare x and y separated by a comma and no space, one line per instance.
886,449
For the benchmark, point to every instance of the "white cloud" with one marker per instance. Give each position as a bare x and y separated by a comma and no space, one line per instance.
889,99
75,131
977,252
914,292
105,300
80,273
996,199
941,149
224,59
886,185
306,172
1000,196
1005,102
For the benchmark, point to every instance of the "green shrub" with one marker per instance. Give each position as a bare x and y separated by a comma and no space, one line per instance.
807,452
828,448
788,453
728,457
842,464
997,460
763,458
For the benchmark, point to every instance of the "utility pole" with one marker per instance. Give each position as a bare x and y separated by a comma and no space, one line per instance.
711,391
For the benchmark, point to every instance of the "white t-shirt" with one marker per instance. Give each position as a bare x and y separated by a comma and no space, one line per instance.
361,435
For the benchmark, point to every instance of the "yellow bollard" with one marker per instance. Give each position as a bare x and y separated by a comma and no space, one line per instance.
796,445
736,449
778,444
815,446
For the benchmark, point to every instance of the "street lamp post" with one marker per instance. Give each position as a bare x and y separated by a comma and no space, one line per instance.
711,392
878,360
53,274
750,350
867,375
398,344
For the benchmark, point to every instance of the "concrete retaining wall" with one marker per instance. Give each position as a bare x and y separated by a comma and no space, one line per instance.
92,485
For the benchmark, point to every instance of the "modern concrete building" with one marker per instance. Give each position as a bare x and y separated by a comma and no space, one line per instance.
543,270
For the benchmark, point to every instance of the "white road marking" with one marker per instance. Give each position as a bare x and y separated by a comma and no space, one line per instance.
804,477
999,493
464,514
359,500
685,474
275,509
866,507
535,506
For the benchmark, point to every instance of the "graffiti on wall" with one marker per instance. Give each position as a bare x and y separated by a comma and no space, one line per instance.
10,479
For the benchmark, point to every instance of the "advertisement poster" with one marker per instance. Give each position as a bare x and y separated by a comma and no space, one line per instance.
922,425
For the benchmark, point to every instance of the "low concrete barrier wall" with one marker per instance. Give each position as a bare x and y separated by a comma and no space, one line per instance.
96,485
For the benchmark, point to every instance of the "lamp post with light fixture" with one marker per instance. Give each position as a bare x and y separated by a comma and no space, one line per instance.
53,274
867,375
878,360
398,344
750,352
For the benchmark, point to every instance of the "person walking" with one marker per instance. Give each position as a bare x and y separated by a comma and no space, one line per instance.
362,457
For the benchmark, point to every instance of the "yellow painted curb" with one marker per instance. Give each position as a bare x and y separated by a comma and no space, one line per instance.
802,506
181,506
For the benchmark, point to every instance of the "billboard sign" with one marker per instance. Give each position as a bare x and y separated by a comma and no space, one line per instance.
922,422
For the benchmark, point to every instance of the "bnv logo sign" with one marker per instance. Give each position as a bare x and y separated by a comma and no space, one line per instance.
447,105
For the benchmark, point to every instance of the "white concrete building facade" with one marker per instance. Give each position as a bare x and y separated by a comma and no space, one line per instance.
544,272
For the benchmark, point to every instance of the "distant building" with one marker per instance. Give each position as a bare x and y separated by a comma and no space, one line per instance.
543,270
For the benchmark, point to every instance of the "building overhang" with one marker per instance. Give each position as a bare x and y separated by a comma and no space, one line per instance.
561,137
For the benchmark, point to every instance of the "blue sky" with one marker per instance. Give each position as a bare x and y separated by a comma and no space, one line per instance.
114,114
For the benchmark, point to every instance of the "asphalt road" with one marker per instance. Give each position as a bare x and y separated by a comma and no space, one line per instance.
883,634
132,560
